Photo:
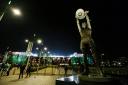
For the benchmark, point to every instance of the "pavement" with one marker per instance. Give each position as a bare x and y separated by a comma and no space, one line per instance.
53,71
37,78
33,80
44,71
45,76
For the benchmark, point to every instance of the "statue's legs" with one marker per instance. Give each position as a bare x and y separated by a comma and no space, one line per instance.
88,49
95,57
86,52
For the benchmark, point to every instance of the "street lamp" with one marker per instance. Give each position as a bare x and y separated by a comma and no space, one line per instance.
39,41
45,48
9,2
29,48
26,40
48,52
16,11
30,44
37,48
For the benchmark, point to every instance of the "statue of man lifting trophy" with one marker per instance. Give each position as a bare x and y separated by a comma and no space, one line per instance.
88,49
85,30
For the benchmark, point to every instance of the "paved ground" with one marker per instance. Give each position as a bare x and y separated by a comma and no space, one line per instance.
33,80
46,71
36,78
43,77
55,71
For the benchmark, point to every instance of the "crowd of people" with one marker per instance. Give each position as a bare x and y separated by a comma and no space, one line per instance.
65,63
5,69
24,69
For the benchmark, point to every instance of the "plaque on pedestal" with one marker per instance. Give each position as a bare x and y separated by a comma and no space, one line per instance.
71,80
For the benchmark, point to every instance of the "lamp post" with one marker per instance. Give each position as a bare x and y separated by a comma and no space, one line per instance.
39,41
5,10
45,49
28,51
29,48
39,55
15,11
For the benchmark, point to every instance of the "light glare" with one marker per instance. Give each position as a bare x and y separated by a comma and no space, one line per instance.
16,11
26,40
45,48
9,2
39,41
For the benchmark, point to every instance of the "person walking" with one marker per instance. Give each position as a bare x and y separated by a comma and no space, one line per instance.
22,67
3,69
9,67
28,71
65,69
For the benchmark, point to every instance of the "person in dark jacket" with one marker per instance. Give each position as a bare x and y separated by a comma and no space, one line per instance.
22,67
66,69
9,67
28,71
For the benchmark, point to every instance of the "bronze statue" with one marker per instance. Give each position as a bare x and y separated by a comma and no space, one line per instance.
85,30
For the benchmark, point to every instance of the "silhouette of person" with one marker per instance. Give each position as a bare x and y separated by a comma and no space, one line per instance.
3,69
9,67
65,69
28,70
22,67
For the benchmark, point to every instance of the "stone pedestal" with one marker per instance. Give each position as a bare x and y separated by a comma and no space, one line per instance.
71,80
95,80
86,80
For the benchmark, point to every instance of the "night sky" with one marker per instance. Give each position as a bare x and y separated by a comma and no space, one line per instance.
54,21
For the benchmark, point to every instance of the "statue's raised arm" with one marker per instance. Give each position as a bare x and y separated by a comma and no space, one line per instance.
83,22
79,15
88,20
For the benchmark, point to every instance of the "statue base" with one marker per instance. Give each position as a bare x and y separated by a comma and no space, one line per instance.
95,80
71,80
87,80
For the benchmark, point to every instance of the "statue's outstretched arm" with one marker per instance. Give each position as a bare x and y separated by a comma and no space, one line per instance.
78,25
88,21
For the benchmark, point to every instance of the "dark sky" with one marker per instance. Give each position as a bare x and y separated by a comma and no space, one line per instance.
54,21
